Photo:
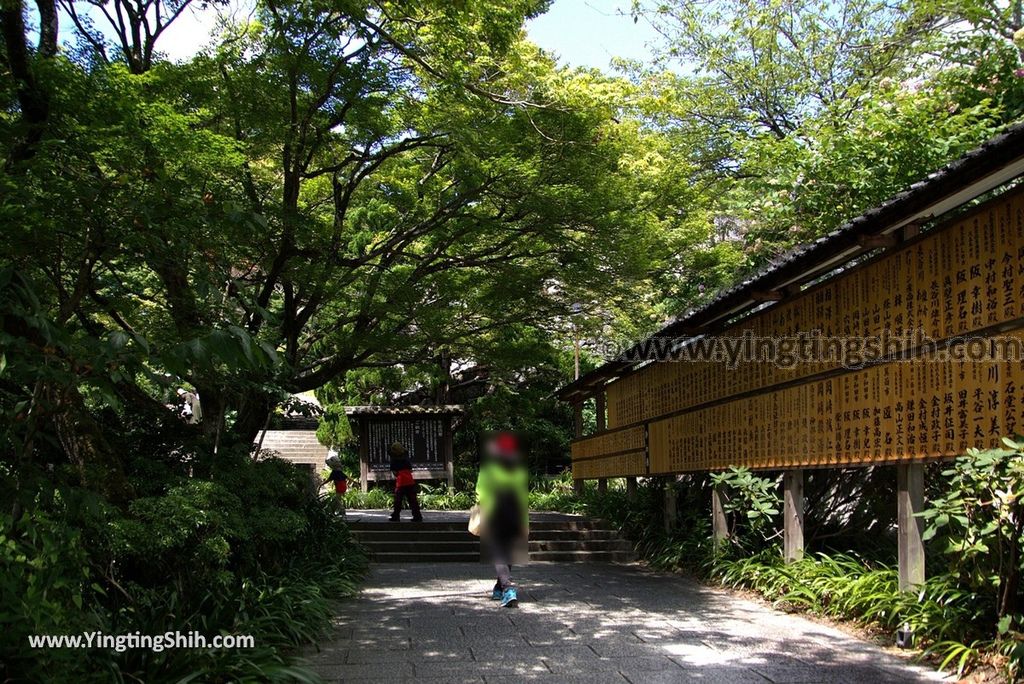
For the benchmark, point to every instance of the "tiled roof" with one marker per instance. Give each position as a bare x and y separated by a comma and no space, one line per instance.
443,410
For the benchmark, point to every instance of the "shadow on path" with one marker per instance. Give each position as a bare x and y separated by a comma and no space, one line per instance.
583,622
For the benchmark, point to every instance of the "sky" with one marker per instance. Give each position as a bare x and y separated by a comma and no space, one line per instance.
589,33
583,33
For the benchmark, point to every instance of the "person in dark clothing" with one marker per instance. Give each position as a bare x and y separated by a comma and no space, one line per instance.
405,485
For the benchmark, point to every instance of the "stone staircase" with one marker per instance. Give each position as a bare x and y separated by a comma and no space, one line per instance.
575,540
578,542
425,542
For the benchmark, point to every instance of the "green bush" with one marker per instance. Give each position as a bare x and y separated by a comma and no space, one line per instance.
435,498
377,497
46,587
247,553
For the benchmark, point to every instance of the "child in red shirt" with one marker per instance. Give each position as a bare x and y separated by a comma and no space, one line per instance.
340,480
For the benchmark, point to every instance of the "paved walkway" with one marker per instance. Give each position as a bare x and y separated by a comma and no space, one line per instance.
588,623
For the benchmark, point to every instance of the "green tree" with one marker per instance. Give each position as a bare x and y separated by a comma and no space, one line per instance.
321,192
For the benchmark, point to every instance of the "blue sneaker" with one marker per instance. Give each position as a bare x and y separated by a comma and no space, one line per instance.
496,593
509,598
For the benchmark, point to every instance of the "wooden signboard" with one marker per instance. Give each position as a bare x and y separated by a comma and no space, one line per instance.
425,432
963,279
423,437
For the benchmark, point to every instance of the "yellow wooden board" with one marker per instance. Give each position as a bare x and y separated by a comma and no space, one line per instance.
964,278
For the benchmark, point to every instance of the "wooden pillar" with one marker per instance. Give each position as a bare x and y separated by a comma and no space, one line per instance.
364,456
631,487
602,483
671,506
909,501
719,525
449,456
577,421
793,515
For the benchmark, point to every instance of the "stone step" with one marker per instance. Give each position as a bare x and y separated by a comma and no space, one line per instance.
426,557
557,535
407,525
581,545
572,541
409,533
568,525
539,530
583,556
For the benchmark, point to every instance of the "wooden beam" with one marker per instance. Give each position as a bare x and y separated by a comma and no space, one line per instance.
767,295
909,502
793,515
876,241
630,488
913,229
602,485
599,406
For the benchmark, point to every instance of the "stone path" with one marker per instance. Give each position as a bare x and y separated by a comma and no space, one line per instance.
589,623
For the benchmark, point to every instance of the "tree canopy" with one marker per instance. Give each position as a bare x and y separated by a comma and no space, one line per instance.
335,197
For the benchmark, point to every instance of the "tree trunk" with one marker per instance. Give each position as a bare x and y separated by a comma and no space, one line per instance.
252,417
83,443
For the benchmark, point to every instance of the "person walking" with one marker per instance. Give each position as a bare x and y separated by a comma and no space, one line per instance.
502,490
339,478
405,484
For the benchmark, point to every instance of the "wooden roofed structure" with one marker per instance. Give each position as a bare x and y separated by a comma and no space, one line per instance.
944,259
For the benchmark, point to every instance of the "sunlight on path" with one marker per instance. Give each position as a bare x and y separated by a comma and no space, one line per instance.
584,622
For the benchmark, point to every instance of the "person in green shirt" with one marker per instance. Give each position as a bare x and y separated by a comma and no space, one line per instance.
502,490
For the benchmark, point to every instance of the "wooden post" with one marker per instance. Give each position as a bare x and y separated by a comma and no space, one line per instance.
793,515
449,456
364,456
602,483
631,488
910,500
671,506
719,525
577,416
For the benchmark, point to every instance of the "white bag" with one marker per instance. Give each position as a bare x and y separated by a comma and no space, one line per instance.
475,520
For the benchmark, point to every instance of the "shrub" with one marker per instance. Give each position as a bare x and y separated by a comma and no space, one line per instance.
248,552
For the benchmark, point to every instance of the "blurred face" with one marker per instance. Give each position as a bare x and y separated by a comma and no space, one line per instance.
503,446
